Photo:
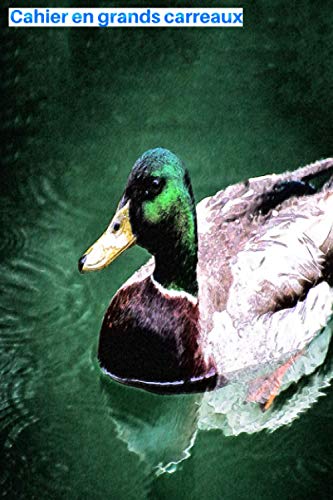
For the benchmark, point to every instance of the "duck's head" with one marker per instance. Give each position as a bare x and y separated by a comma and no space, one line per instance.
149,337
157,212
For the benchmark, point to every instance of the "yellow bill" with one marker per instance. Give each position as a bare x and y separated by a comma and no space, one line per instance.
114,241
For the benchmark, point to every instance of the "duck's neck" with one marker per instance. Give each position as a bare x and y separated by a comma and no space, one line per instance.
176,259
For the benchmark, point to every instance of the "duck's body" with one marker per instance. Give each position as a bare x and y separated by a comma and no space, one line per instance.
268,293
263,287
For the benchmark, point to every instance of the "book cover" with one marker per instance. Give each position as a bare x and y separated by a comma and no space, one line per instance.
236,89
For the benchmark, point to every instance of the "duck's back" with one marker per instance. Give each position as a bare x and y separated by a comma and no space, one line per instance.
265,266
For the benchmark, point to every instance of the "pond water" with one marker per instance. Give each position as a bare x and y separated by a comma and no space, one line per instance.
80,106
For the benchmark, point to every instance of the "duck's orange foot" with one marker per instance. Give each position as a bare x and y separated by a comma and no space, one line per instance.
263,390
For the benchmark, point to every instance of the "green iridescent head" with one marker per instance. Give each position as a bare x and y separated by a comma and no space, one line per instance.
157,211
162,216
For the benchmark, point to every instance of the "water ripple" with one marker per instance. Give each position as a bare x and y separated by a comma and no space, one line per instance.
13,239
17,374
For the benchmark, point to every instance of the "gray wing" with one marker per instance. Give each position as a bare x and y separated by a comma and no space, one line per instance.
266,271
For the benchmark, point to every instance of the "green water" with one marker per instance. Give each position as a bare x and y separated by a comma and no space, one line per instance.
79,106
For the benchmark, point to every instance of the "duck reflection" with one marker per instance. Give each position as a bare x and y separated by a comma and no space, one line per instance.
162,430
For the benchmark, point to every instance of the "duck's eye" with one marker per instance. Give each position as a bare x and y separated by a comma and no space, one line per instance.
154,187
116,227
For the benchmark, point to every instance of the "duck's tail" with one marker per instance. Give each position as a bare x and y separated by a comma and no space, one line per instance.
273,190
318,174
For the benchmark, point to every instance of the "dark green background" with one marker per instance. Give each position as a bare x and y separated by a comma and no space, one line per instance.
79,106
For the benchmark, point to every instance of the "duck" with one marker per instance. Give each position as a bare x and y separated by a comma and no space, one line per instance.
239,284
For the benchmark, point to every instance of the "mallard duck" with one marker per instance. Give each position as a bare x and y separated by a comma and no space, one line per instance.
240,281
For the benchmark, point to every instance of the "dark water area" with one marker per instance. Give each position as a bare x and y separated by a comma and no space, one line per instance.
79,106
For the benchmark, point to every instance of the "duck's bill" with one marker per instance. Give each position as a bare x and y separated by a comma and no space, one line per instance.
114,241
